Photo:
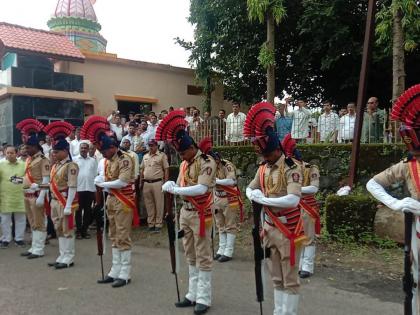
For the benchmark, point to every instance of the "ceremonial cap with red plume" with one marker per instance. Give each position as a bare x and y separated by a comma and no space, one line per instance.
98,131
173,129
407,110
58,132
206,146
259,127
30,128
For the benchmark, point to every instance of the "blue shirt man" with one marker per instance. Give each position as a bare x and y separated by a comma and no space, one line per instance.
283,122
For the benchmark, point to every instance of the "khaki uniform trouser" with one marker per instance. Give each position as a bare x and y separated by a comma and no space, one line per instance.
120,219
35,214
309,228
284,276
154,202
226,217
61,222
197,249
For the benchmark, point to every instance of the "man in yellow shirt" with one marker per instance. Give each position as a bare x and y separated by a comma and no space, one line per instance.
11,201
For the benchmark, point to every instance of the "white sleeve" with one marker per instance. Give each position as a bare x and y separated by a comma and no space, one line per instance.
226,182
70,196
309,190
191,191
288,201
116,184
380,194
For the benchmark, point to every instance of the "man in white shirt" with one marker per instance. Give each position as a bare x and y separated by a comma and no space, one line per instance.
116,126
75,144
132,136
86,189
151,129
235,124
300,123
46,147
328,124
347,122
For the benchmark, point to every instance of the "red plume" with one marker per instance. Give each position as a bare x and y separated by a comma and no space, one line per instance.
58,129
259,117
406,108
289,145
170,125
205,145
29,126
93,128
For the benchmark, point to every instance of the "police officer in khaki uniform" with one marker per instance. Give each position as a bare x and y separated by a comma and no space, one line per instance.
154,171
118,180
37,173
64,202
406,172
227,206
195,185
277,186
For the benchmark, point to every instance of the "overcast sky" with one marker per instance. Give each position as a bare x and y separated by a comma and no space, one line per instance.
135,29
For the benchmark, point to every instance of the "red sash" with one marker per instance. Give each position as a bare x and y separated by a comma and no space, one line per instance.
126,196
413,166
309,205
60,198
31,180
293,235
202,203
234,197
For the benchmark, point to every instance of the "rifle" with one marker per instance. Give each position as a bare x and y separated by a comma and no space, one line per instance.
258,253
99,213
172,235
408,281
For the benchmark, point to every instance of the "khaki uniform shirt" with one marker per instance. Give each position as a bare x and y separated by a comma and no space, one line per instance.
153,166
283,179
121,167
200,171
398,173
39,166
310,175
65,175
226,170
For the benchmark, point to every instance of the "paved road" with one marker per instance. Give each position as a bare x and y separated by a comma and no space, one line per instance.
30,287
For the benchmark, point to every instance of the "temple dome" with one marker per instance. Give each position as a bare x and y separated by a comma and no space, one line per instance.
77,20
75,8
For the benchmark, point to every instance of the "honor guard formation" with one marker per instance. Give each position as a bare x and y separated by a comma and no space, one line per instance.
203,202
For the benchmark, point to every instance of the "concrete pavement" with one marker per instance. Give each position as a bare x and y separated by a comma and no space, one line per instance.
31,287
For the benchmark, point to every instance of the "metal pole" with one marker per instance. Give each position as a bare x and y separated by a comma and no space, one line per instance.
361,96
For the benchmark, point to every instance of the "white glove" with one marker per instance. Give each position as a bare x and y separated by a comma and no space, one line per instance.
34,186
169,186
309,190
98,180
225,182
257,194
67,211
344,191
288,201
190,191
407,205
248,193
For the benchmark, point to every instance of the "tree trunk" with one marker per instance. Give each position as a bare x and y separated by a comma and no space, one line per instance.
271,76
398,57
208,90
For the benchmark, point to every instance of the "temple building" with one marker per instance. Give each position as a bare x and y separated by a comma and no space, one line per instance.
66,73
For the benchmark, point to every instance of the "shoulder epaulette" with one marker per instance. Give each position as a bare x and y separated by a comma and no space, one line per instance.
262,163
120,153
224,162
308,165
205,157
290,163
407,159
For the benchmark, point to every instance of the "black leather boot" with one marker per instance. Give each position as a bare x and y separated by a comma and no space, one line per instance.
200,309
184,303
107,279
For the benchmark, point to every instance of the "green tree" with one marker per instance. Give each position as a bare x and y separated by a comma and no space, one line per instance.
398,32
272,12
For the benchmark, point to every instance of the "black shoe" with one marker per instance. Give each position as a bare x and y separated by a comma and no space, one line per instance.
4,245
224,258
26,254
78,236
107,279
120,283
304,274
156,230
34,256
151,229
20,243
63,266
217,257
86,236
200,309
52,264
184,303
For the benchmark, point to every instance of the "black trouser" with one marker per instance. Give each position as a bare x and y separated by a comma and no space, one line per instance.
85,208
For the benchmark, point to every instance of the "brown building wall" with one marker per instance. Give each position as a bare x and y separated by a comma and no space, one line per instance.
107,76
